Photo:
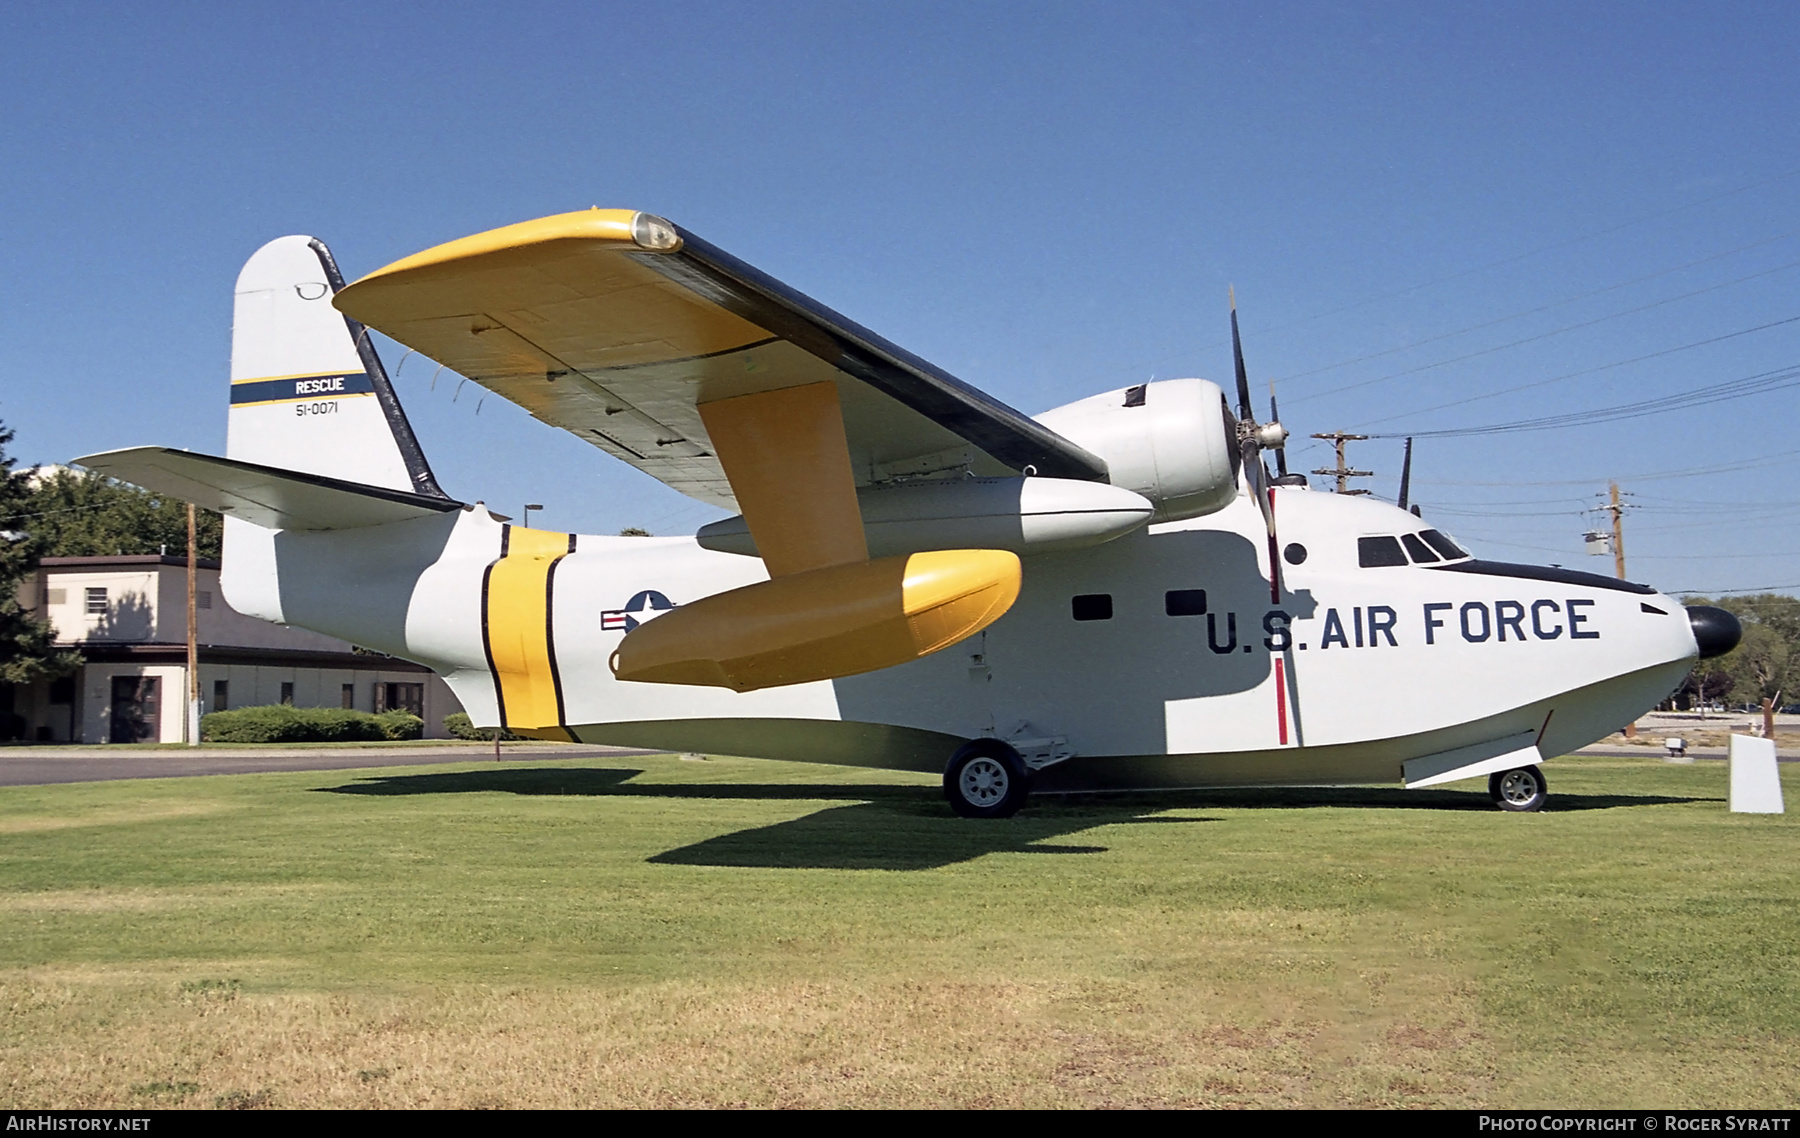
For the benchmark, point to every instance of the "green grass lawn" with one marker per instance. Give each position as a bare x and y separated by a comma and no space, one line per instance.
662,932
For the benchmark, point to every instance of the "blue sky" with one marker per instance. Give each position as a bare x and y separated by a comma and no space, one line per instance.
1046,200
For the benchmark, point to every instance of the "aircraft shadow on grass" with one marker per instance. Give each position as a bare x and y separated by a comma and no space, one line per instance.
911,828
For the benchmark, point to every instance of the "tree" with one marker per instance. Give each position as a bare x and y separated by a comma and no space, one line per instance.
75,514
1758,664
1773,610
1709,680
1761,665
26,649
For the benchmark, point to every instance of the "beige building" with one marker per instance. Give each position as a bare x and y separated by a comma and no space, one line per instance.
128,617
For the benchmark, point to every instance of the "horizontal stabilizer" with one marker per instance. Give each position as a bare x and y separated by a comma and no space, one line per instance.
271,498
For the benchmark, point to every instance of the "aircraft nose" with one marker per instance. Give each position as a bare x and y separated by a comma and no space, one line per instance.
1715,630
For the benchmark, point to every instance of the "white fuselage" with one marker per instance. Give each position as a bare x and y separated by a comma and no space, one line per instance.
1352,672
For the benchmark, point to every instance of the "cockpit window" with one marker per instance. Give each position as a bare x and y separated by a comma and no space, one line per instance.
1377,552
1420,554
1443,545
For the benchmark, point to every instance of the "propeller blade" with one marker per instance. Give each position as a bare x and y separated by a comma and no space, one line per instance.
1237,355
1275,417
1406,475
1259,482
1259,486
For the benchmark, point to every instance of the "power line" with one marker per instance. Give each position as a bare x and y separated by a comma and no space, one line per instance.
1715,556
1775,459
1577,374
1541,336
1775,380
1532,311
1535,252
1550,248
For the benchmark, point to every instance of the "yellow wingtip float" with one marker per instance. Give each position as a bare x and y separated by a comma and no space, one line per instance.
824,623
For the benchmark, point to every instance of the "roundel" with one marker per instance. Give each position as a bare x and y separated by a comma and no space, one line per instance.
649,601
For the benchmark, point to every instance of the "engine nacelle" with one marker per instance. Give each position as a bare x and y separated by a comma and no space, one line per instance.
1023,515
1173,441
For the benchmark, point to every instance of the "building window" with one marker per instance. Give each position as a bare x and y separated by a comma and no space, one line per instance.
1092,606
349,697
57,597
62,690
221,695
202,599
96,602
287,693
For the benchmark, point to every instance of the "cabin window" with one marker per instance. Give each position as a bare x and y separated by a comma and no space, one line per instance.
1420,554
1443,545
1185,602
1294,554
1379,552
96,602
1092,606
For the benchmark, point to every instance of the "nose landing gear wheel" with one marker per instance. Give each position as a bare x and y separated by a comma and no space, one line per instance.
1521,789
986,779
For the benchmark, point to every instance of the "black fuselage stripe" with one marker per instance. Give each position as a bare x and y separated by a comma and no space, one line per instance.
487,644
562,715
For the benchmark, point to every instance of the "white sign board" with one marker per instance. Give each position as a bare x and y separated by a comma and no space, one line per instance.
1755,780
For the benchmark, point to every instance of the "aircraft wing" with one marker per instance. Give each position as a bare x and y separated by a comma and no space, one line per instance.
618,326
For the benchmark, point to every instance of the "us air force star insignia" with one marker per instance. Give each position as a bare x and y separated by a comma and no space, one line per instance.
625,619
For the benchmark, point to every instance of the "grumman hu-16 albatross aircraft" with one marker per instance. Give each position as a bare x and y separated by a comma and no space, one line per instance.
918,577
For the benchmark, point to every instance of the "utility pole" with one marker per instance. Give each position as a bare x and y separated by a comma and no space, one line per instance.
193,640
1617,510
1618,520
1341,472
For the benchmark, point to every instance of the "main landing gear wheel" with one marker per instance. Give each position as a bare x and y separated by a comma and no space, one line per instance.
1522,789
986,779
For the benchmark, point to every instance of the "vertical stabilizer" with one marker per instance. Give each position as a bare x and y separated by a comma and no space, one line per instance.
308,392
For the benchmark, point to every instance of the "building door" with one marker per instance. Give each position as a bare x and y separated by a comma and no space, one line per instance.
400,697
136,709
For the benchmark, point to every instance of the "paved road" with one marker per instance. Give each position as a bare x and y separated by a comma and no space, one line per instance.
1784,755
39,766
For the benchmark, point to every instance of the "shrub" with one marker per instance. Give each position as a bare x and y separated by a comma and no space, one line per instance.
400,725
460,727
279,723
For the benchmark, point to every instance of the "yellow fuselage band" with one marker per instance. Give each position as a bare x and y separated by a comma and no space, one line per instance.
517,608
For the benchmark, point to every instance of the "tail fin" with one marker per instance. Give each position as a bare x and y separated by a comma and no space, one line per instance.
308,392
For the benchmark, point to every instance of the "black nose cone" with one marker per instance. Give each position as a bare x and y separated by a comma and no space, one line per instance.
1715,630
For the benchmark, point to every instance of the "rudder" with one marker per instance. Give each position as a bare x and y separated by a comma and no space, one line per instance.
308,392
